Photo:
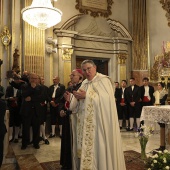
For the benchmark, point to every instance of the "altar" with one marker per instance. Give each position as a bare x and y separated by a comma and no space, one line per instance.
159,114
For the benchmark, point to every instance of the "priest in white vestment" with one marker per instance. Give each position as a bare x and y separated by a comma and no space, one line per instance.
98,141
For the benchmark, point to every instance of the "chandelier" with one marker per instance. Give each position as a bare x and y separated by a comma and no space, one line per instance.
41,14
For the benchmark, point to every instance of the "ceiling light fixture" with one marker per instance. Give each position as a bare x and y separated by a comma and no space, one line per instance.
41,14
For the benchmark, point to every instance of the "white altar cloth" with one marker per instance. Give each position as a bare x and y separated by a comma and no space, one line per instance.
159,114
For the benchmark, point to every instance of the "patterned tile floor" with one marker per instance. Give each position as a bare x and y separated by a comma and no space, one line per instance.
51,152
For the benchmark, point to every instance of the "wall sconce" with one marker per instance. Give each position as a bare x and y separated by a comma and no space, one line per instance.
51,50
51,41
5,37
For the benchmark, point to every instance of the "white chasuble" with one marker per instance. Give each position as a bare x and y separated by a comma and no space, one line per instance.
99,144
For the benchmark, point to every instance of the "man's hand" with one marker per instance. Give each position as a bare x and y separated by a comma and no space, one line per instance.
27,99
62,113
122,104
67,96
53,104
80,94
132,104
33,85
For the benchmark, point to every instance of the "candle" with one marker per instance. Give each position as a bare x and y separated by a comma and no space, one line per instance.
157,97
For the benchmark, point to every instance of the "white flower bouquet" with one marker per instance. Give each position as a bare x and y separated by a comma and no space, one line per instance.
159,161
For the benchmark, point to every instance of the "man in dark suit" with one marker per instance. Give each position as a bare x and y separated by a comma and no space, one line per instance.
43,111
56,92
146,94
13,97
30,110
2,128
133,95
123,109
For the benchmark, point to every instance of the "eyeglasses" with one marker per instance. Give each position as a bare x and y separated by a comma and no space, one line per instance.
88,69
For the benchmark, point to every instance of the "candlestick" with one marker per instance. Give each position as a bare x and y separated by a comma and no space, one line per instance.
157,97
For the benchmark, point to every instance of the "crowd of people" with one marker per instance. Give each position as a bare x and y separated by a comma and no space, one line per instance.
130,100
89,114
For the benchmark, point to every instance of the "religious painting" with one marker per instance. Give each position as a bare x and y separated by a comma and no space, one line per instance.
95,7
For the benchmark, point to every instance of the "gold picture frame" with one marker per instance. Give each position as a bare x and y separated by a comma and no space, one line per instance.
96,8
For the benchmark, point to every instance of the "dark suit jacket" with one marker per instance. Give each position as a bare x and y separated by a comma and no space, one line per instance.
58,94
37,97
1,91
45,93
151,91
10,93
120,95
117,95
133,96
2,115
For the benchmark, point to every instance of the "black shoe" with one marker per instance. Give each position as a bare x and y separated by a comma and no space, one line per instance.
19,136
15,140
36,146
23,147
41,138
130,129
127,128
30,143
120,127
11,140
52,136
46,142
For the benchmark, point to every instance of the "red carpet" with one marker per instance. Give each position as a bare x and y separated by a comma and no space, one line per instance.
132,159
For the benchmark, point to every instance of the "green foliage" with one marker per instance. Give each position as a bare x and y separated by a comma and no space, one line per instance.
159,161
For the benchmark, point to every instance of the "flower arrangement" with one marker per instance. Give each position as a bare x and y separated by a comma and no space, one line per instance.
160,160
143,134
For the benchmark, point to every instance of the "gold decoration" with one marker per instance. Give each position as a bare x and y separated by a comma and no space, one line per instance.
122,58
161,66
5,37
96,8
166,7
67,52
139,51
15,66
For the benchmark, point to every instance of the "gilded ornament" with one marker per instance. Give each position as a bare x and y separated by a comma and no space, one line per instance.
67,52
5,37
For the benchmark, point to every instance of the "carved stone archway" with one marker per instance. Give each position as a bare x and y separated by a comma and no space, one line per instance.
91,37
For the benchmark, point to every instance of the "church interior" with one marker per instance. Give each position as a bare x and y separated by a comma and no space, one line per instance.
125,38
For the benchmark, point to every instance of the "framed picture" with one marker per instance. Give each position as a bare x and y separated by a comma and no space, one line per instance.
95,7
